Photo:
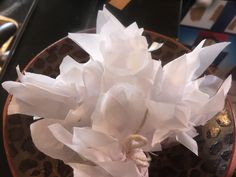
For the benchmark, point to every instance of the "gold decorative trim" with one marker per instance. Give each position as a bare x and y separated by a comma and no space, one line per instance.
5,46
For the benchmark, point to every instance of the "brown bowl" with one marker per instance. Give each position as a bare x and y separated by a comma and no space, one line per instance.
216,140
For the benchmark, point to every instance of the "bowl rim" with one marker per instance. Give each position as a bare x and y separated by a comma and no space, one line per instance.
232,162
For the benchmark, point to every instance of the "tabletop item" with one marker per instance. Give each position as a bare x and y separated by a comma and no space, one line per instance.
8,28
14,16
204,3
119,4
145,132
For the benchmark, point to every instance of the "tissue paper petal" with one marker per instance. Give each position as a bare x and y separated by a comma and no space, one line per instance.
122,169
155,46
150,71
64,94
207,55
161,117
121,106
91,145
134,30
82,112
214,105
39,101
45,82
125,62
185,69
108,169
188,142
83,170
92,76
226,85
49,145
128,43
166,120
71,72
104,17
87,75
209,84
87,151
110,79
172,87
200,91
99,141
90,43
199,59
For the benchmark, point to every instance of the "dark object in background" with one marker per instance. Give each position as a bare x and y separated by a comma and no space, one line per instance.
154,15
216,24
6,31
16,12
186,6
15,9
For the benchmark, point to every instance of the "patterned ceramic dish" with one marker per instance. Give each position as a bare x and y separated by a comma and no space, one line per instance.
216,140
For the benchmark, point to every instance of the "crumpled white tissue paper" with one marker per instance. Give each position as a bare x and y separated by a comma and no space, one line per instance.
102,117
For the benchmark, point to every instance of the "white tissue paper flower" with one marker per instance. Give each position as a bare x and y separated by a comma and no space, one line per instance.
182,101
123,52
59,98
102,116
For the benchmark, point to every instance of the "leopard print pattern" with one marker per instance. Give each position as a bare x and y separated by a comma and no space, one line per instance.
215,139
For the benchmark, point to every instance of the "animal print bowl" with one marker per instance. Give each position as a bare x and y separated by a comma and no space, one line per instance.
216,140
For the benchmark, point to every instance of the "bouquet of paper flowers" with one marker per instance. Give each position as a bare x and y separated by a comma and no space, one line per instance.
103,117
